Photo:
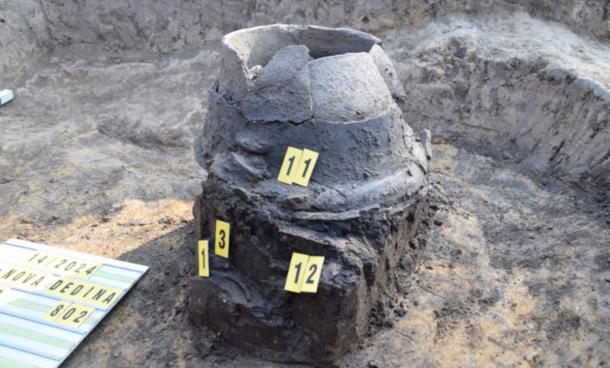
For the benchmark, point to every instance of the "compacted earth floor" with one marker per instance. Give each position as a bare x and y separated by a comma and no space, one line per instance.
512,269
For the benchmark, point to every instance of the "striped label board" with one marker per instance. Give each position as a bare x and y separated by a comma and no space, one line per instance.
52,298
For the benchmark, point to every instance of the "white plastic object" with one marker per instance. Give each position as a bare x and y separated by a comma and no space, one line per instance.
5,96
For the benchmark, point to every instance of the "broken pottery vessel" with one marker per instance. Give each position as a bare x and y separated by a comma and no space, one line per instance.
333,91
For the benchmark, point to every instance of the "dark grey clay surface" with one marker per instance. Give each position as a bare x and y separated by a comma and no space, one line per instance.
360,211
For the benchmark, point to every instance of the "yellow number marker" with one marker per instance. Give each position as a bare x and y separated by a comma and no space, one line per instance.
99,295
204,258
64,265
304,273
69,314
289,169
296,272
221,240
312,274
306,166
23,277
75,315
57,311
86,269
42,260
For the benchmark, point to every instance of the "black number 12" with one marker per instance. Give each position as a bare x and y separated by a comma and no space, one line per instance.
312,269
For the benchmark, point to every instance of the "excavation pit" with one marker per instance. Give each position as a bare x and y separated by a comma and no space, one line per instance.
96,155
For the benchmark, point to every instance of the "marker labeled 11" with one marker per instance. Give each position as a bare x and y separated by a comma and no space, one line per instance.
297,166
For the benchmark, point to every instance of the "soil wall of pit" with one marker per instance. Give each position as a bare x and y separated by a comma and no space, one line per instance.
32,27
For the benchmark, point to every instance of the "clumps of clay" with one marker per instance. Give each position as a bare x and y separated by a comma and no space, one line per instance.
333,91
281,90
307,72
